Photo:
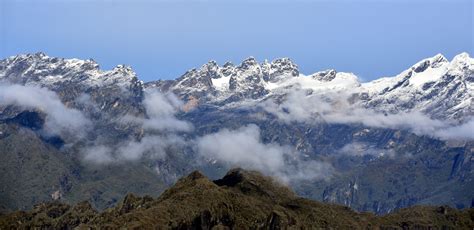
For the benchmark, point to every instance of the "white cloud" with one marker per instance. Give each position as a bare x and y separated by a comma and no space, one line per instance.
99,154
243,148
302,106
464,131
161,110
415,121
150,147
364,149
60,120
296,106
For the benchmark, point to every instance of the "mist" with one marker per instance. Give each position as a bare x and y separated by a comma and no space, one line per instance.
304,106
359,149
60,120
243,148
160,128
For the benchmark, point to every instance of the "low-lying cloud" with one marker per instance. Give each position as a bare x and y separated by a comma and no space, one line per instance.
304,106
161,110
60,120
359,149
160,127
243,148
98,154
463,131
149,147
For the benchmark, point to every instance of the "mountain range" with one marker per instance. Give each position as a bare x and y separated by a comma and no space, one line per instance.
73,132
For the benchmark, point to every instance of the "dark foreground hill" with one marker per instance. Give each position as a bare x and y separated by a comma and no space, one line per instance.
240,200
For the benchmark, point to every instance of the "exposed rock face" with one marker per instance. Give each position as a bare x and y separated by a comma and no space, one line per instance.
240,200
274,71
327,75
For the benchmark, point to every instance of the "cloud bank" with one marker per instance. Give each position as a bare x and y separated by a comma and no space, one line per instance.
243,148
463,131
304,106
60,120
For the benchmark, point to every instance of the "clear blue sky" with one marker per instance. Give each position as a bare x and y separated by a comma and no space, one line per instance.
164,38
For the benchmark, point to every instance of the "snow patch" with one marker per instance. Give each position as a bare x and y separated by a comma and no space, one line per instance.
221,83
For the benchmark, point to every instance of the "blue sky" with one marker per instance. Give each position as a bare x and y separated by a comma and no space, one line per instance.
162,39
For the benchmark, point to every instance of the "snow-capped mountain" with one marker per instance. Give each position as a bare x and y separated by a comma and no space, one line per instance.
48,71
213,83
435,86
117,91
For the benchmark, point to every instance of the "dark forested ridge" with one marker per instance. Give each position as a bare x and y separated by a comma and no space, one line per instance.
240,200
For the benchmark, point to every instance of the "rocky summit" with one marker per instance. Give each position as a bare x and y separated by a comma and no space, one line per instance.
240,200
71,132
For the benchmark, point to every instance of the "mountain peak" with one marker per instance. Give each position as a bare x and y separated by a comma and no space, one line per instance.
228,64
439,58
279,69
285,65
124,68
30,56
463,55
325,75
462,61
283,61
433,62
246,63
210,64
196,175
40,55
253,182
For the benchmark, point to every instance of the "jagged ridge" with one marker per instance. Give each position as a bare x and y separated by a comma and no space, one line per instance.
434,86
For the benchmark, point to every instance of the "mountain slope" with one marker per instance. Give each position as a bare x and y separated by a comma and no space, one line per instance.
34,169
